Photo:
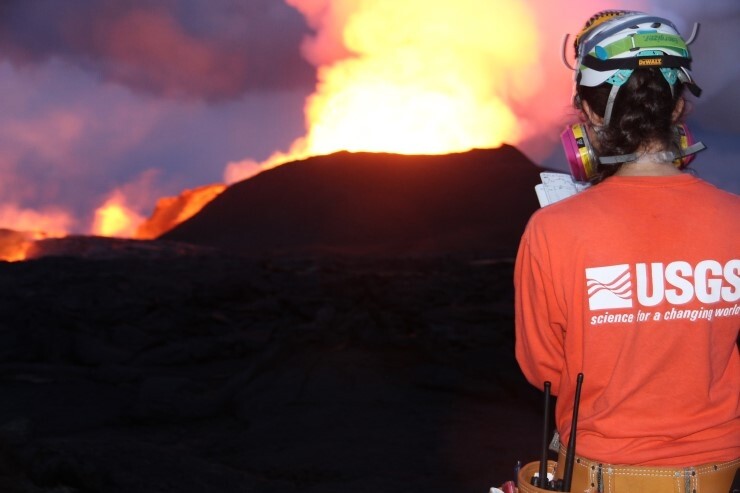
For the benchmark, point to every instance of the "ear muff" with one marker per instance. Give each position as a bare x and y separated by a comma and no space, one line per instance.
584,162
579,152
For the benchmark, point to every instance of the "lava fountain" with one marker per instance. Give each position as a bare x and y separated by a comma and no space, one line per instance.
412,77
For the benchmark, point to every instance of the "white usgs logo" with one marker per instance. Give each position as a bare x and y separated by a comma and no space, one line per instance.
677,283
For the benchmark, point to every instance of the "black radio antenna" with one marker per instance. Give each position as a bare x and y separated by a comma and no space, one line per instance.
542,483
571,451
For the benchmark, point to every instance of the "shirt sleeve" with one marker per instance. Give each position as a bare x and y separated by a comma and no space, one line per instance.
539,319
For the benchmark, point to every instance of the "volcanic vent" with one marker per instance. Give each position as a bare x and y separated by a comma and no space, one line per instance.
476,202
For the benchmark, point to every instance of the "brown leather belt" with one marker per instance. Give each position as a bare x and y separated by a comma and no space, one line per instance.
595,477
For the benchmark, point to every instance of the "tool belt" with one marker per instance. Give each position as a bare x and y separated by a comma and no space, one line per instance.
525,476
596,477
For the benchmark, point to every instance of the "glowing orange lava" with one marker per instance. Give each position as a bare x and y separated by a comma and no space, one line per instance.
171,211
412,77
115,218
15,245
27,227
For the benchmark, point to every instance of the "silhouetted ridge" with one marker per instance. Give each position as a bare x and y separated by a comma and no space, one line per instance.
372,203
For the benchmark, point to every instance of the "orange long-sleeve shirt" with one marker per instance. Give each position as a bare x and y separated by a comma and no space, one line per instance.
636,283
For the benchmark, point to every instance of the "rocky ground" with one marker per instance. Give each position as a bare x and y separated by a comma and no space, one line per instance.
205,372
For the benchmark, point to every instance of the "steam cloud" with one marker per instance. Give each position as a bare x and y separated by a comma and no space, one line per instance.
213,50
103,95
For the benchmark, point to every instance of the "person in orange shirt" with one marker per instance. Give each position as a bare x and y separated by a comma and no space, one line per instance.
635,282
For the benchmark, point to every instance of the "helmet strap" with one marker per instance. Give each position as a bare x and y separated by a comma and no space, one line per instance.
610,104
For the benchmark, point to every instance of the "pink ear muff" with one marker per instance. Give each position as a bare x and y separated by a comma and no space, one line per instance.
578,151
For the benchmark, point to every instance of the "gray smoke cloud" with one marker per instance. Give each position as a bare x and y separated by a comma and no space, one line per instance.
155,96
214,50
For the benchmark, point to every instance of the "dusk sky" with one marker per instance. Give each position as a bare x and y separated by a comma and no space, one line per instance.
143,99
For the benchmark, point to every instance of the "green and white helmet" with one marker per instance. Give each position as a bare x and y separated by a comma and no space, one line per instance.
615,43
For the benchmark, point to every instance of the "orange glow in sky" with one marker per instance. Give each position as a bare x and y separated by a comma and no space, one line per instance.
412,77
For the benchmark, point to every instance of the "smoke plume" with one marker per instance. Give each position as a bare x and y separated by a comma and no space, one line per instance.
215,50
142,99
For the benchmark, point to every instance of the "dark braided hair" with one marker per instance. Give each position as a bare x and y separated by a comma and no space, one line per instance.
642,114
